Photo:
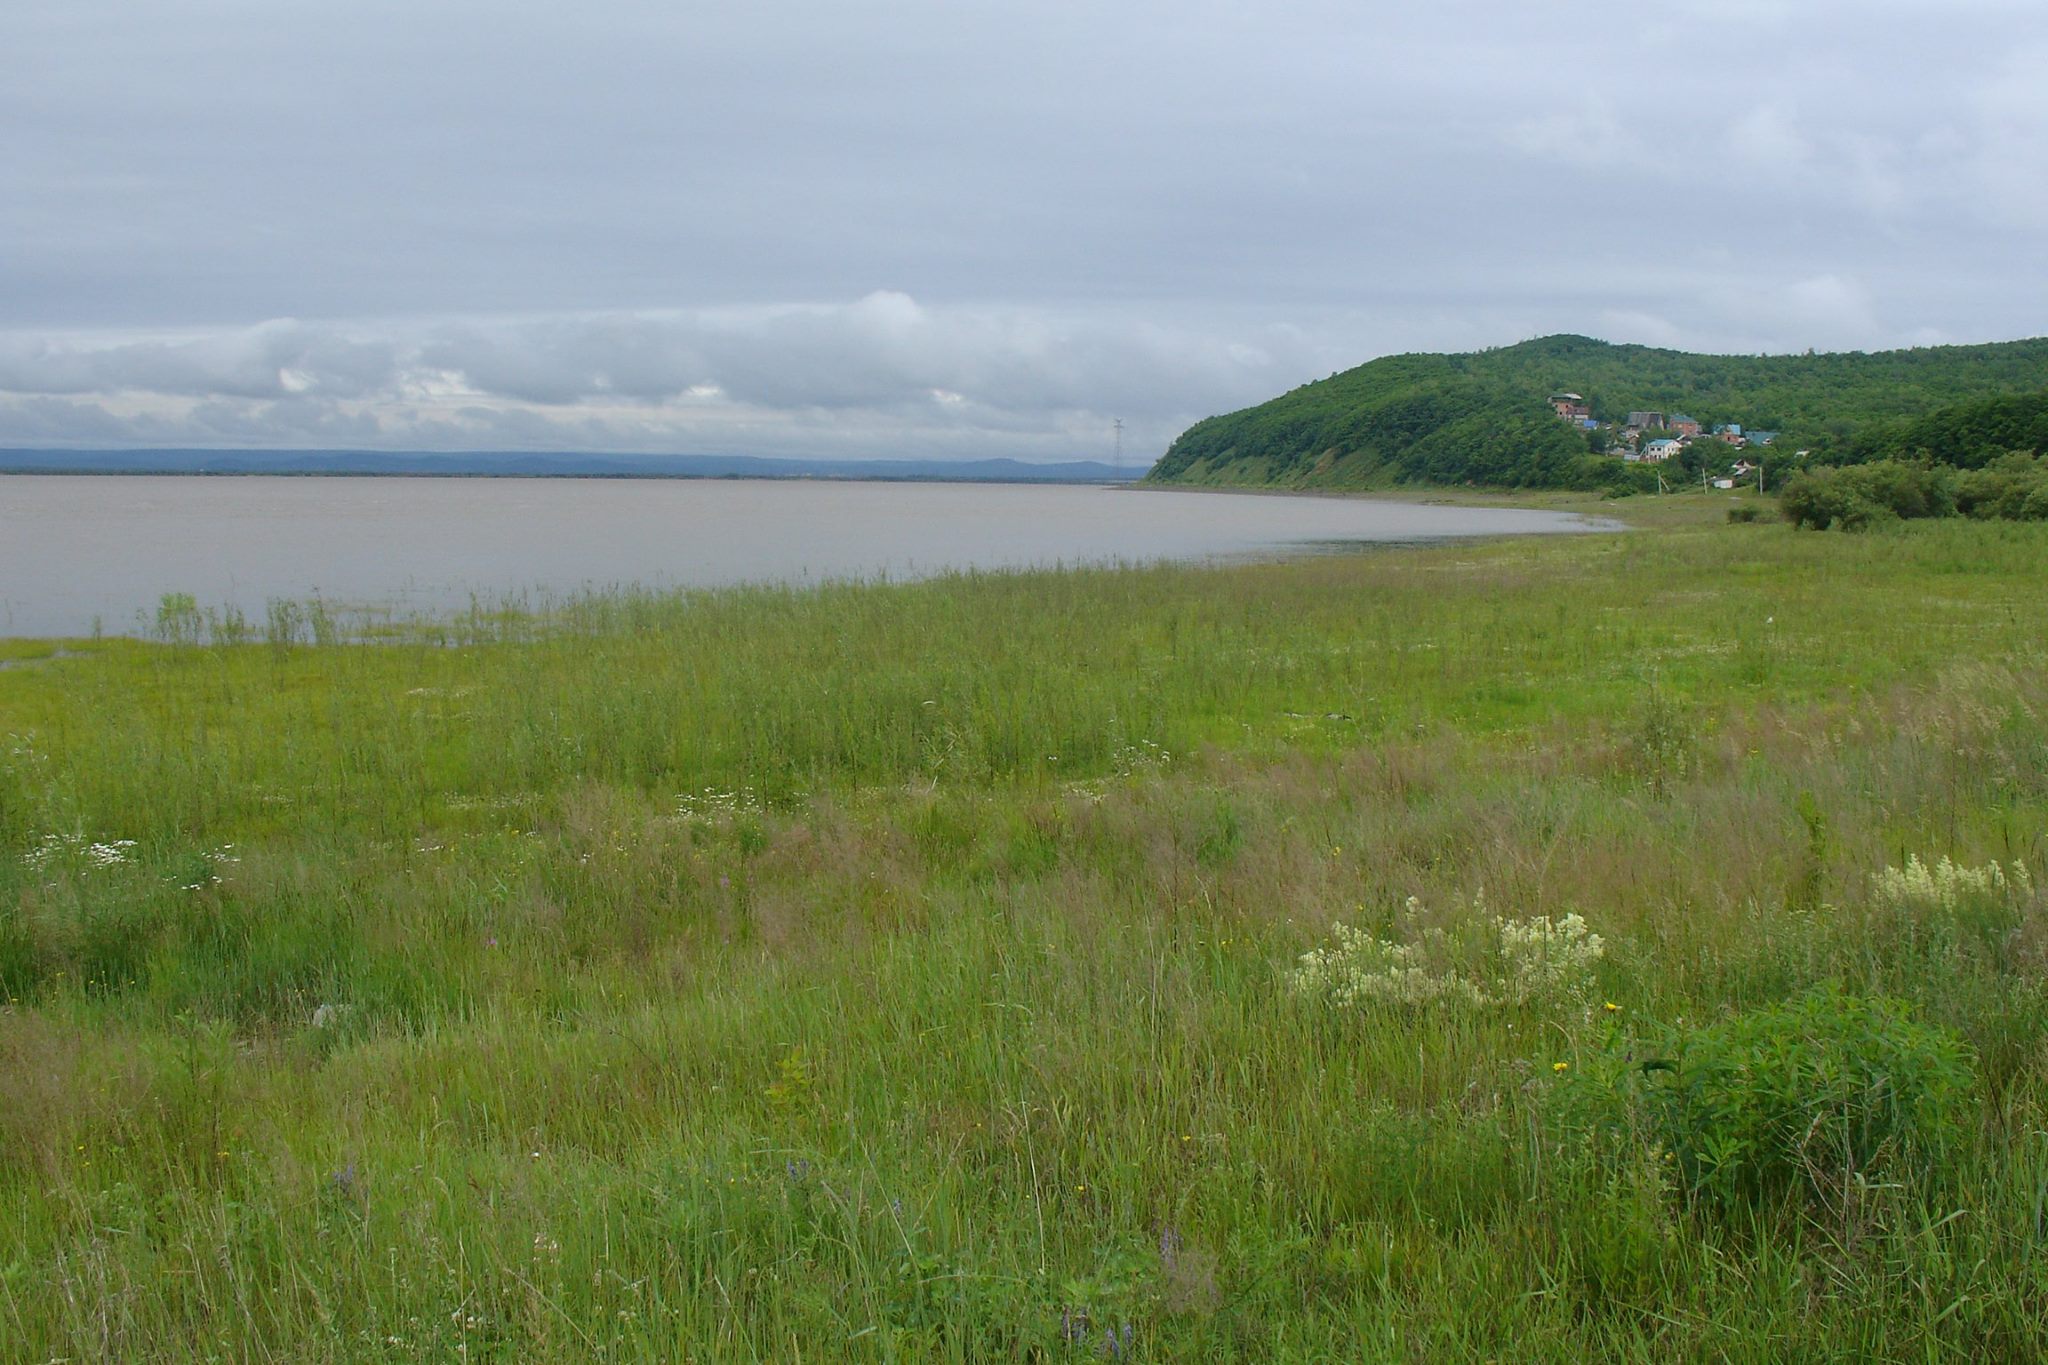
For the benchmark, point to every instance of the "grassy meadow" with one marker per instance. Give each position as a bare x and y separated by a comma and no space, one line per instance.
914,971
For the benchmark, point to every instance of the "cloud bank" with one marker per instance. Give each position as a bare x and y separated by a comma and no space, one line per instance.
881,375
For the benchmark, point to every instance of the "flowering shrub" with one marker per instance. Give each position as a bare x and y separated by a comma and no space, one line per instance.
1546,960
1361,969
1537,961
1946,886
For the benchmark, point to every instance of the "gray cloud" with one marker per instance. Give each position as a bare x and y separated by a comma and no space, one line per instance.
979,229
866,376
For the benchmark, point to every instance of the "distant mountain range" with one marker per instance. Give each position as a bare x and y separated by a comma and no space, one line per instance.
532,465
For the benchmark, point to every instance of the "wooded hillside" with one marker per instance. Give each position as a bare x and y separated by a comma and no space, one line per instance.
1483,417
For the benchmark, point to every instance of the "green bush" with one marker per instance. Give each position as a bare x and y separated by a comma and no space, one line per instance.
2013,488
1855,497
1748,511
1822,1092
1822,498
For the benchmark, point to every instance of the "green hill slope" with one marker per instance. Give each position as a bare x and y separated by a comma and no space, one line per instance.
1968,435
1483,418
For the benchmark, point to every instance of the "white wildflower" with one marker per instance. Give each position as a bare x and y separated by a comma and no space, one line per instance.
78,849
1130,760
1361,969
108,854
1946,885
1535,961
1546,960
714,804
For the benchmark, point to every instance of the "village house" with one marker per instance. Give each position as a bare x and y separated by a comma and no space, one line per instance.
1677,430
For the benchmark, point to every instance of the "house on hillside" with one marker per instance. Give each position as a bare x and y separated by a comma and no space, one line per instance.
1681,425
1731,432
1644,421
1761,438
1571,406
1658,451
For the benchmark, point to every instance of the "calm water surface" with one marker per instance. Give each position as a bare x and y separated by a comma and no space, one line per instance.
78,552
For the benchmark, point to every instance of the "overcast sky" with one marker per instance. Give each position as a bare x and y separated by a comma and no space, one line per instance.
941,227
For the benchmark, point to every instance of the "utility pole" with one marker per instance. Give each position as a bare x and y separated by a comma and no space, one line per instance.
1118,424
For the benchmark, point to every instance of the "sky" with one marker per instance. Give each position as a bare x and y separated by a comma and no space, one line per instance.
944,228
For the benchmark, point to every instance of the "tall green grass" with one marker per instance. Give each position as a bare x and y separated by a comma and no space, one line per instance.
901,972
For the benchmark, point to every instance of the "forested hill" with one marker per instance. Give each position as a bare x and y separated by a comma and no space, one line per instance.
1968,435
1484,418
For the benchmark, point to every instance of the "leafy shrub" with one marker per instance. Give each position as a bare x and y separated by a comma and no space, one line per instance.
2012,488
1822,498
1822,1092
1746,512
1855,497
1908,491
